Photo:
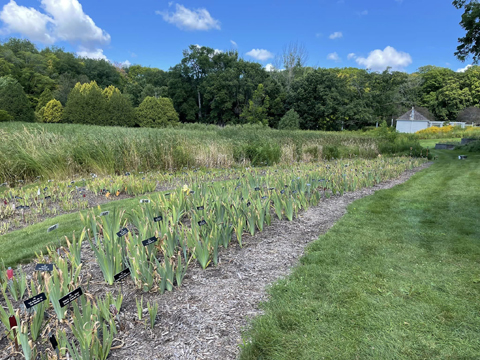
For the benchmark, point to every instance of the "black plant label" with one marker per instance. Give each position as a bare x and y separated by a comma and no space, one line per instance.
257,189
53,227
200,207
121,275
158,218
122,232
104,213
74,295
201,223
44,267
149,241
53,341
37,299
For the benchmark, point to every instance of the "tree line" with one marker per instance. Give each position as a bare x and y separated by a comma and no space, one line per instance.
212,87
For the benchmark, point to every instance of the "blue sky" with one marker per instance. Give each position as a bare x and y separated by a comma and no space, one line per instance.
403,34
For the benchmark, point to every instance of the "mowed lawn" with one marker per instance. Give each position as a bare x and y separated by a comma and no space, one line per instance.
398,277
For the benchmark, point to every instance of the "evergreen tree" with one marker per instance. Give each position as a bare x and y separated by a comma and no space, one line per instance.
290,121
156,113
86,104
53,112
119,110
14,101
44,98
256,112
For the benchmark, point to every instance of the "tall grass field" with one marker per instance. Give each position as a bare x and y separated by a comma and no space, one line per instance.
63,150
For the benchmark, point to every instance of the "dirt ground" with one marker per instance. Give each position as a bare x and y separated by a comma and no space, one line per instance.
205,317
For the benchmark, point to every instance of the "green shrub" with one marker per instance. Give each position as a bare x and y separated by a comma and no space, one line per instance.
154,112
470,147
119,109
5,116
53,112
86,105
290,121
330,152
14,101
258,153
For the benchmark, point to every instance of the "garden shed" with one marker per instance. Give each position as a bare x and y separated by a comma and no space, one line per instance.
412,121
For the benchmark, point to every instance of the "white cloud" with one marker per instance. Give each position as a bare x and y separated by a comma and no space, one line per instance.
91,54
215,51
351,56
27,21
461,70
269,67
125,64
186,19
318,35
363,13
334,56
379,60
260,54
62,20
234,43
336,35
72,24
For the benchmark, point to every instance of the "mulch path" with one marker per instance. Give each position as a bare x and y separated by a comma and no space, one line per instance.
204,319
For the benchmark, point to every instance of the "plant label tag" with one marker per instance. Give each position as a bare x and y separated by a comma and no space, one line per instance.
149,241
67,299
44,267
264,197
145,201
200,207
282,192
192,192
167,194
122,232
257,189
53,341
48,197
249,203
271,189
158,218
104,213
201,223
35,300
121,275
13,321
51,228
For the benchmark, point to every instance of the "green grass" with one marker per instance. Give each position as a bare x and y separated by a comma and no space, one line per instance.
21,245
430,143
398,277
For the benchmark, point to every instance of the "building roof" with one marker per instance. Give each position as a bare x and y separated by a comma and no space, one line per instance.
413,115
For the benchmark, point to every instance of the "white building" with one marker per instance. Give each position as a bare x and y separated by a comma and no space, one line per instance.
412,121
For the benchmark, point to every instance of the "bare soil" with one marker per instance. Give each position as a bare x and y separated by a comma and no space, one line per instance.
204,319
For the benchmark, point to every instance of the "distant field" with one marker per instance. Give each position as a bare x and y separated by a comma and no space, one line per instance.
430,143
58,151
